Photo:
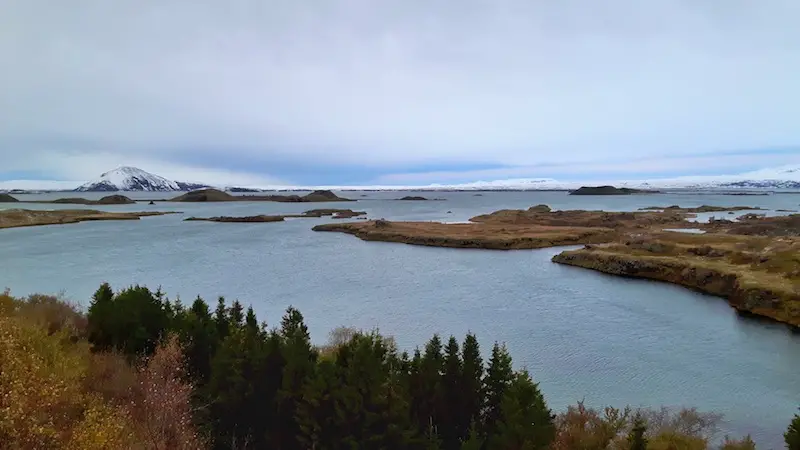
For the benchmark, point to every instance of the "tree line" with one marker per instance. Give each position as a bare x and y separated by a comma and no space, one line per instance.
138,370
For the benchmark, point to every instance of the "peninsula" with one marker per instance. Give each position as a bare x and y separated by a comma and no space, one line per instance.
13,218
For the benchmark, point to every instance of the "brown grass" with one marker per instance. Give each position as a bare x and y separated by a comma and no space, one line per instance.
472,235
12,218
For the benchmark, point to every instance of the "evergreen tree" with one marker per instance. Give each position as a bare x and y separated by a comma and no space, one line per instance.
221,319
236,315
300,358
250,320
101,318
498,377
792,435
200,341
472,391
636,439
453,427
427,389
525,422
474,440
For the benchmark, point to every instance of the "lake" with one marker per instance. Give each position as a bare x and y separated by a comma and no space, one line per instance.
582,334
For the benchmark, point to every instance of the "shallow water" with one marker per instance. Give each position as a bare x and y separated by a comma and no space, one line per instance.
581,333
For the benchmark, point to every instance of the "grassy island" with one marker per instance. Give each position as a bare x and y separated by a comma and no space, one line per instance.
12,218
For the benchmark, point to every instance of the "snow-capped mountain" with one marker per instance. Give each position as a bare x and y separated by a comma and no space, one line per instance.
134,179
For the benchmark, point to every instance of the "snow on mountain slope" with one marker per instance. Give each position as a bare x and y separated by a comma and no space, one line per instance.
134,179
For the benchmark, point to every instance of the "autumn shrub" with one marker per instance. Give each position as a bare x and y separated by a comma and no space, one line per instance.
161,409
42,403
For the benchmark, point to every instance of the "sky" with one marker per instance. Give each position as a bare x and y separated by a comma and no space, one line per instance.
354,92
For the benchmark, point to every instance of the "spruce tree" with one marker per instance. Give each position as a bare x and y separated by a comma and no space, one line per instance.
636,439
453,427
525,422
498,377
300,361
100,317
472,391
221,319
430,395
236,314
200,340
792,435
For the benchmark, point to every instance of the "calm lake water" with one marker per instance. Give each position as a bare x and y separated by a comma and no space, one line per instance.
582,334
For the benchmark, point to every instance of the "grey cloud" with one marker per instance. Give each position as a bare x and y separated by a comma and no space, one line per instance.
515,82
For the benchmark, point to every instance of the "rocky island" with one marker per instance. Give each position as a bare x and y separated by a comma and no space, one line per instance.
13,218
417,198
608,190
214,195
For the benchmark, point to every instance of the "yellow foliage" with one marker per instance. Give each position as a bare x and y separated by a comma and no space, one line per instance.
102,428
676,441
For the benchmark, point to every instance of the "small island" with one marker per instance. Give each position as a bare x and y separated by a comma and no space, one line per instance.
5,198
214,195
608,190
14,218
334,213
417,198
241,219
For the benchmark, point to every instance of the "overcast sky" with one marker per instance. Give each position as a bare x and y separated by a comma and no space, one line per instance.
406,91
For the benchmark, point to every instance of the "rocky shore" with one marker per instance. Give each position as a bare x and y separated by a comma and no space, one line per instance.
14,218
756,275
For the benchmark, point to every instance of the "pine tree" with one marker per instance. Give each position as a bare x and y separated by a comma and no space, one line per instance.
474,440
453,428
525,422
636,439
472,385
429,390
300,359
236,314
101,318
792,435
199,338
221,319
498,377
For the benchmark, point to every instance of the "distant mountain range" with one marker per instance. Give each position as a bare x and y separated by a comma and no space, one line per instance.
135,179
